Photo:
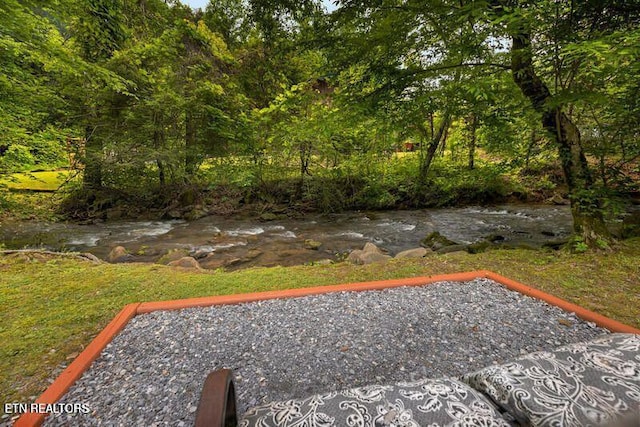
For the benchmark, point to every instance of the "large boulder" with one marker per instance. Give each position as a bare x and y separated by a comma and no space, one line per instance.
370,247
369,254
413,253
371,257
213,261
436,241
119,254
185,262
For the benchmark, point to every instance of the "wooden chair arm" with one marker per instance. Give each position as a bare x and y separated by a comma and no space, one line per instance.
217,406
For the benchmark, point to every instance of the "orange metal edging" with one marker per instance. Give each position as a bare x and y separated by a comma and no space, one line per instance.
68,377
583,313
147,307
80,364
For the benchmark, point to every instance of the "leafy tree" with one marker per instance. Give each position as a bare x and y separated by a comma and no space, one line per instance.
231,19
34,60
401,47
98,30
590,24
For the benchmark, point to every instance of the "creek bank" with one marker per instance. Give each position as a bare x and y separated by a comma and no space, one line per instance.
297,254
283,198
216,242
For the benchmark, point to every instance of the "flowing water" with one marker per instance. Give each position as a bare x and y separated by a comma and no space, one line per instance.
219,241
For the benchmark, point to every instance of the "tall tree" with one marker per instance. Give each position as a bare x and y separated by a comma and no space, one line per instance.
37,61
400,46
99,31
589,23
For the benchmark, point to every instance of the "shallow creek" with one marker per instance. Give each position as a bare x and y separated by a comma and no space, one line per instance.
218,241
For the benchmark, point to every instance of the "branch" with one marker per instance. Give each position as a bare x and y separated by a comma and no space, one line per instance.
469,64
82,256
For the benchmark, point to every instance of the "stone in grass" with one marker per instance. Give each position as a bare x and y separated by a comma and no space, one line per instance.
186,262
413,253
369,254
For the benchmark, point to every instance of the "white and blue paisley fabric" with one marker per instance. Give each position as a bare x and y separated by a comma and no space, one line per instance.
577,385
425,403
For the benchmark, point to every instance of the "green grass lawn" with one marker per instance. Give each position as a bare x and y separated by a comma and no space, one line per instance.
36,181
53,307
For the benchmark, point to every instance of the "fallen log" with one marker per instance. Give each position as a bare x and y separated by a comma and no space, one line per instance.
85,256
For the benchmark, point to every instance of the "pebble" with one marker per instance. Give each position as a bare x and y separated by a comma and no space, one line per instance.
152,373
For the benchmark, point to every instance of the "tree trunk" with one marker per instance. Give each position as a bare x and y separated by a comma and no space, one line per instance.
588,221
532,144
190,145
431,123
472,140
161,175
92,178
158,143
443,143
433,146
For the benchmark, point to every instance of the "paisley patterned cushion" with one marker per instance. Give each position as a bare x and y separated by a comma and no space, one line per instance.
425,403
587,384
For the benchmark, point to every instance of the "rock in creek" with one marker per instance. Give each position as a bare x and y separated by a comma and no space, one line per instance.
186,262
172,255
436,241
119,254
312,244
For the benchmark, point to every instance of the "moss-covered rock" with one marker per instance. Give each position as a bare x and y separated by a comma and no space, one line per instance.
268,216
479,247
452,248
436,241
172,255
312,244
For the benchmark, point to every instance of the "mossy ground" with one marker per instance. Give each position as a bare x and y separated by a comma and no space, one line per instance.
52,307
33,195
37,181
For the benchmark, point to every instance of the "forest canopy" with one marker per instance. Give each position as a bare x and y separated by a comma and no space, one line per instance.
376,104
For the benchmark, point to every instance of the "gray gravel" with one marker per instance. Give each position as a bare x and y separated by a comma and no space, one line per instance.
153,371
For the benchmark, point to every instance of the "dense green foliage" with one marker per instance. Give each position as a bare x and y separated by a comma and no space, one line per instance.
283,102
